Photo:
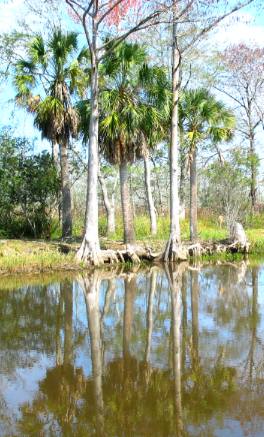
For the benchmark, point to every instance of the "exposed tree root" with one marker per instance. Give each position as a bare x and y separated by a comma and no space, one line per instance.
174,252
207,248
90,253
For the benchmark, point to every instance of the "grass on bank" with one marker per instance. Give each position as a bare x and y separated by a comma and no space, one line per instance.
25,256
209,230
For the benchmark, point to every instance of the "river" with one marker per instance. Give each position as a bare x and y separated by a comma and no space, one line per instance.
147,353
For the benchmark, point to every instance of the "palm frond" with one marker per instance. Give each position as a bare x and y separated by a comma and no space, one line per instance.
203,117
37,51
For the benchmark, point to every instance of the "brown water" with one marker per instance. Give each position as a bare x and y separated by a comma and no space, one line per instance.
145,354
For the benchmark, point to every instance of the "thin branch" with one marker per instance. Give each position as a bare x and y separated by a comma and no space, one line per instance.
69,2
114,5
89,7
189,78
114,42
230,95
216,22
77,4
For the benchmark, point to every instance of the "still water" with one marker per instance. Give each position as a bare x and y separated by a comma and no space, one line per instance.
134,354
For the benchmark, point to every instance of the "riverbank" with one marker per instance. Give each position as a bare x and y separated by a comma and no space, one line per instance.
31,256
26,256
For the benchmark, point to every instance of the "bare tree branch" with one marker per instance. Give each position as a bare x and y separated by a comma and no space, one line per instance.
216,22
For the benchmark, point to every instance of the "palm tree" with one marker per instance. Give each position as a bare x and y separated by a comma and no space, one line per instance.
53,70
202,118
135,108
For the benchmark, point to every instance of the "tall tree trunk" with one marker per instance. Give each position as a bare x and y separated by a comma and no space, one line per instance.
252,154
183,172
127,211
253,170
56,160
193,197
162,207
109,206
151,206
173,251
90,247
65,192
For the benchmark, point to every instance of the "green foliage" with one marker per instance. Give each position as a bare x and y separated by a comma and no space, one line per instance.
255,221
203,117
134,102
54,70
29,187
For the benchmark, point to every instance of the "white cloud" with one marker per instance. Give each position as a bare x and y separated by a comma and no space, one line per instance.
10,12
240,28
35,14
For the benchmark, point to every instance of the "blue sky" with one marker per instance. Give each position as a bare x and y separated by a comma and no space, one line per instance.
247,26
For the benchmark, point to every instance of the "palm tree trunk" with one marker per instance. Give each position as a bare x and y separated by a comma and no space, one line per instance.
173,250
109,206
56,154
151,206
182,182
66,192
127,210
90,247
55,148
193,197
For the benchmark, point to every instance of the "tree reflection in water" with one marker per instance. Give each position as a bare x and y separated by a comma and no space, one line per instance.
133,391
